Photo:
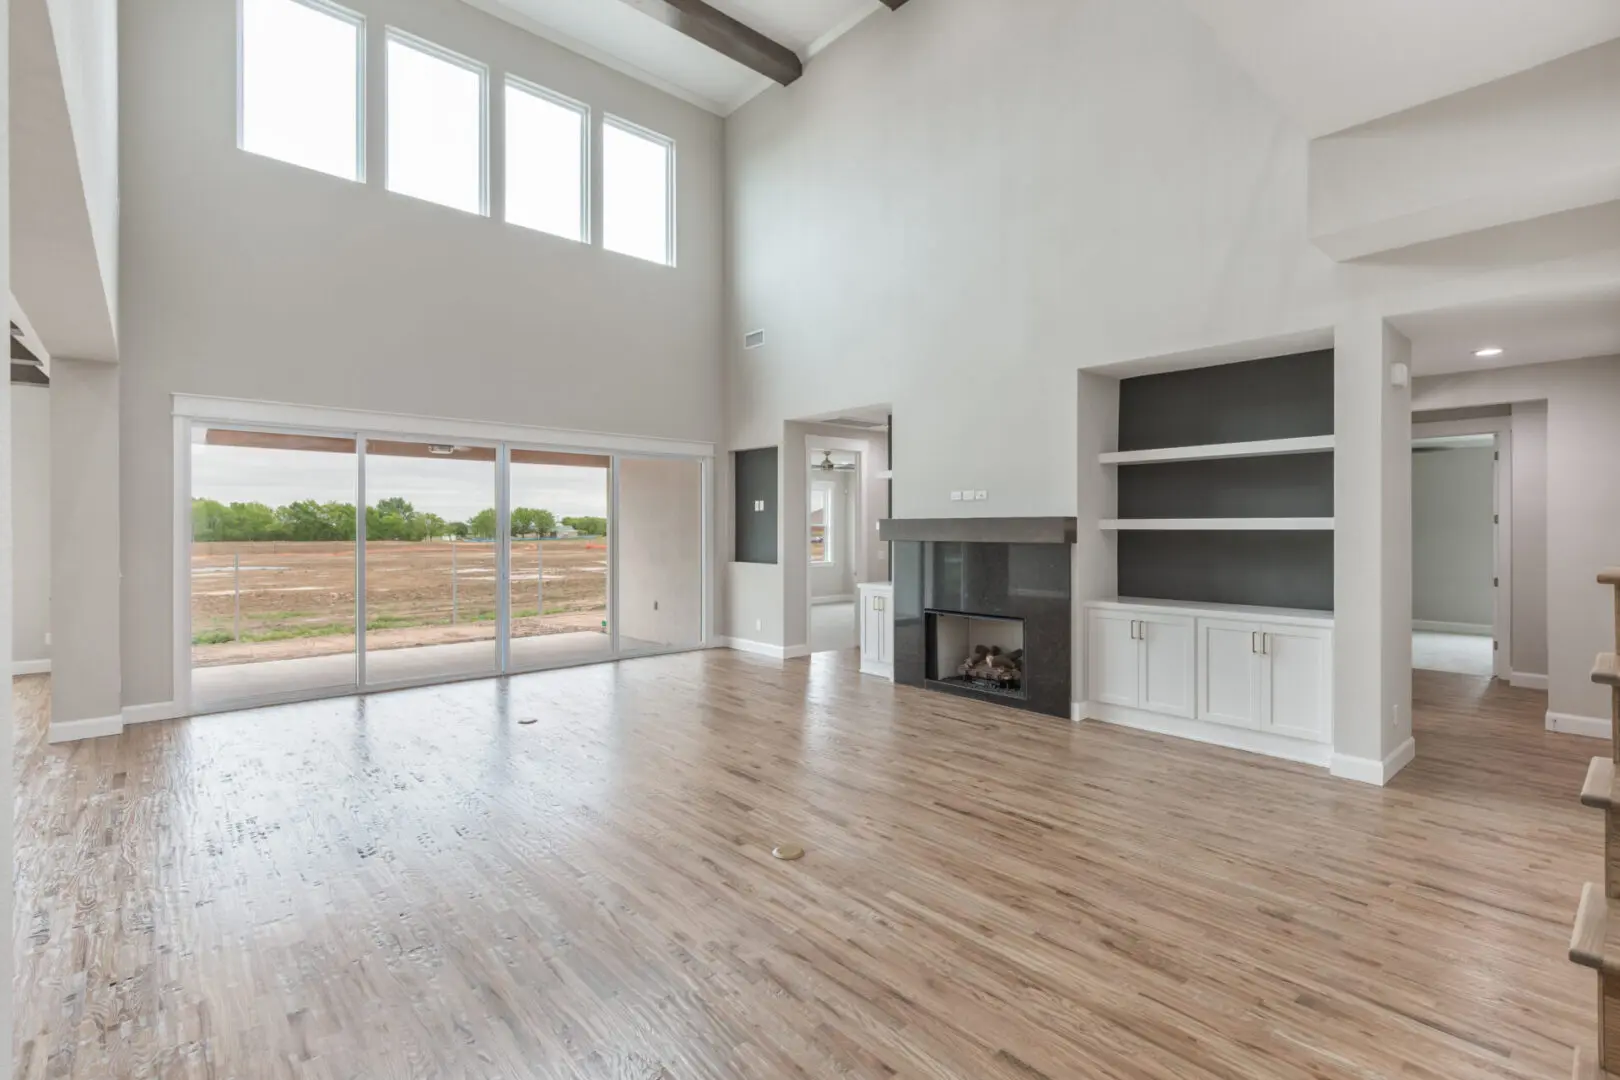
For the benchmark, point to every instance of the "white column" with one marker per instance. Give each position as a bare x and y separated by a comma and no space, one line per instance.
1372,565
86,684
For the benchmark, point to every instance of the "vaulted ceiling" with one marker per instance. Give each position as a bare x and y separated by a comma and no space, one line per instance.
1329,64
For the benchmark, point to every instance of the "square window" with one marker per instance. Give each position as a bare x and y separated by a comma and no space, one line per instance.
301,90
638,192
546,150
436,125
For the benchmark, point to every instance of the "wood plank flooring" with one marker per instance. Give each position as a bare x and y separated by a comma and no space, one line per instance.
417,885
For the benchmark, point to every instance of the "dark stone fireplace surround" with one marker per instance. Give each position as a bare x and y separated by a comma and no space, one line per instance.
1006,568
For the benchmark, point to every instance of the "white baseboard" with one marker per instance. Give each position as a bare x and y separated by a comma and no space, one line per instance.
882,671
1476,629
1370,770
1527,681
1594,727
31,667
846,599
1254,742
157,710
760,648
94,728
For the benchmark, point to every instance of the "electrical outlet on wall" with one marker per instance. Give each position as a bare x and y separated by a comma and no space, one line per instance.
981,495
1394,718
759,624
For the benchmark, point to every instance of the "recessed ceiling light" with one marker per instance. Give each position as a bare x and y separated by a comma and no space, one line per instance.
1490,350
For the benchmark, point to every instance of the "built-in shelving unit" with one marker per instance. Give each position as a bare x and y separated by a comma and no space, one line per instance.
1314,444
1217,524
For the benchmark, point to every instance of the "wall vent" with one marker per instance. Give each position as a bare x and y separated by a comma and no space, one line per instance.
754,339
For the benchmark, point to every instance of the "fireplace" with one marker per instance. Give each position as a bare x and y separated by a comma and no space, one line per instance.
997,584
979,652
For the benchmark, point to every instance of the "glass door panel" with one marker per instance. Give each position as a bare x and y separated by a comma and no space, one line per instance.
559,558
431,561
659,539
272,565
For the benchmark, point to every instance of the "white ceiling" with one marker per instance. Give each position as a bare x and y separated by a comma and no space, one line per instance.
1331,64
614,33
1533,331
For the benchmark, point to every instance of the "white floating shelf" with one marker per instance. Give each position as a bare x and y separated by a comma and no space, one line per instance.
1218,524
1314,444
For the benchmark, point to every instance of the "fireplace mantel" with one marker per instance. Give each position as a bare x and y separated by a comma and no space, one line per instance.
980,530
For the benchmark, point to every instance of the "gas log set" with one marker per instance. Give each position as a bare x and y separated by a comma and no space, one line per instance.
993,669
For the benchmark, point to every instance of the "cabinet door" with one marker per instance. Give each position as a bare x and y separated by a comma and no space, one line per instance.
871,626
885,606
1230,673
1112,650
1299,682
1167,663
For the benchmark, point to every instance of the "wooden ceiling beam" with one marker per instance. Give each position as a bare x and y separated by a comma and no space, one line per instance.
726,36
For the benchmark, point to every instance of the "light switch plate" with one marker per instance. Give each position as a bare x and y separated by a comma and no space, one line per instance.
956,496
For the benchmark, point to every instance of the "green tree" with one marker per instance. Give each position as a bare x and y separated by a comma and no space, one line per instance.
530,522
481,526
587,526
433,527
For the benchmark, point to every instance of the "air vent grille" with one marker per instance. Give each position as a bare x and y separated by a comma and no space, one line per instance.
754,339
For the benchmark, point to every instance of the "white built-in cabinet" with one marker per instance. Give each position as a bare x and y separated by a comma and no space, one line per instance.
877,628
1255,678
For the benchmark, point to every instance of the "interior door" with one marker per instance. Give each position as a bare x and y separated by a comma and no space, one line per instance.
1230,673
1167,664
1299,681
1115,668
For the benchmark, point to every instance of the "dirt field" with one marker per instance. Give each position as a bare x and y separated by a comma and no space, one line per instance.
297,599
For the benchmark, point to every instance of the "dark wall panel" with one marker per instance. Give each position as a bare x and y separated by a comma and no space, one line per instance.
1283,397
1268,569
1293,485
755,472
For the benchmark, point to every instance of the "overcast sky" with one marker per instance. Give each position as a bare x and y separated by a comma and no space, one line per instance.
455,490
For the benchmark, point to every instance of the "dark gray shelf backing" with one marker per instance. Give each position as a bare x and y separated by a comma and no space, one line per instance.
756,482
1292,485
1282,397
1267,569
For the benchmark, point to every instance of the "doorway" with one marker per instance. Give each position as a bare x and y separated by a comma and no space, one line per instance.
1461,532
834,523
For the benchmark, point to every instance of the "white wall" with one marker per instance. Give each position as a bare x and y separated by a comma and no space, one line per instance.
659,534
1454,536
1529,431
1105,186
30,526
249,278
86,33
1583,507
85,630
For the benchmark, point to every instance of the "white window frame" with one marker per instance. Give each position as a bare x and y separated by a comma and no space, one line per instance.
829,545
336,11
632,128
525,86
439,52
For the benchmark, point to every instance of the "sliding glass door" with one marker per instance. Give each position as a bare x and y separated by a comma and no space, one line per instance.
272,561
432,579
468,559
558,539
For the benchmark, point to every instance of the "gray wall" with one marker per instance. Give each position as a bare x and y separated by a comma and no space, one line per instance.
1530,538
30,522
245,277
660,538
1453,536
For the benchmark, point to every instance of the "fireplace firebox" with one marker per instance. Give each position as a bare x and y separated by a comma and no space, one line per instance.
980,652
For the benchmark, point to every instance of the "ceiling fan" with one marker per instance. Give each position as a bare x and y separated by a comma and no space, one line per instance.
827,464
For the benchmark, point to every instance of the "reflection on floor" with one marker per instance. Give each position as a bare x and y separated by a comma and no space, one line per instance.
418,884
214,688
832,626
1463,654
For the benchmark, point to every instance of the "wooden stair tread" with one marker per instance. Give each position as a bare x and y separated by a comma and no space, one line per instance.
1588,941
1607,669
1598,790
1609,576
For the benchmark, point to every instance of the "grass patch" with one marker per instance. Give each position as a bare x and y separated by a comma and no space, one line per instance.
211,637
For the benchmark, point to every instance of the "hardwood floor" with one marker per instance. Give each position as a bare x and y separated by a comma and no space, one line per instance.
417,885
